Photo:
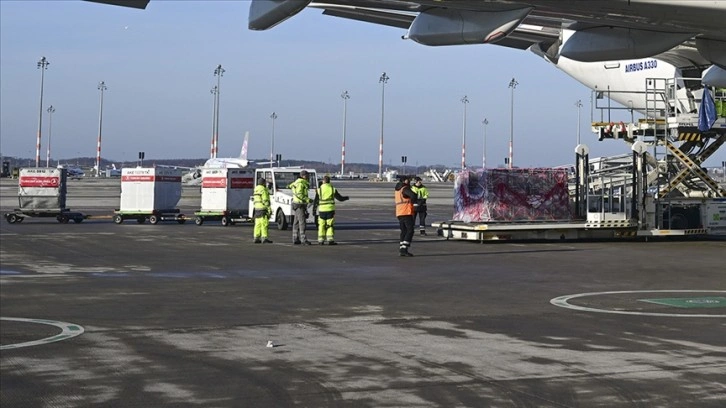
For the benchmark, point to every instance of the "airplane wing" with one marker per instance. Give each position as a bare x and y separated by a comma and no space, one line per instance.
533,30
685,33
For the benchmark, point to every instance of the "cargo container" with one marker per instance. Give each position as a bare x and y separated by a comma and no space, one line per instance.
225,194
150,194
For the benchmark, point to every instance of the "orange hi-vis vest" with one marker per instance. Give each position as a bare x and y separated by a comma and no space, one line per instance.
404,205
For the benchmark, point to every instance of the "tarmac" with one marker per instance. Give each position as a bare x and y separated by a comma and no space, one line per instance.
180,315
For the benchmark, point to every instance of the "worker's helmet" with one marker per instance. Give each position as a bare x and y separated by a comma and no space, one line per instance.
303,173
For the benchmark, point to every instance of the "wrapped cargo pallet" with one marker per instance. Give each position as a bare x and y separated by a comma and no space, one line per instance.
42,189
493,195
226,190
147,190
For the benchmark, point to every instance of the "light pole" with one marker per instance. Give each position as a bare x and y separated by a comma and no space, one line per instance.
51,109
218,72
272,141
382,80
578,104
101,87
42,65
345,95
214,123
464,101
512,84
484,122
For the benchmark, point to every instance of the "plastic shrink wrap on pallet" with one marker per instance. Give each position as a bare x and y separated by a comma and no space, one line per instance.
492,195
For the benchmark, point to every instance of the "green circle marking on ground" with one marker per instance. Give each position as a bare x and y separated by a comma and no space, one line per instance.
68,330
562,301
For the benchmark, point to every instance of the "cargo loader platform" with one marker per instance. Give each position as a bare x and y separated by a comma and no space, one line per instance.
555,230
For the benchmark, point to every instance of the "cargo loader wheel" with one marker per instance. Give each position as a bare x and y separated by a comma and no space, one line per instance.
199,220
153,219
12,218
225,221
281,220
180,219
118,219
63,219
78,220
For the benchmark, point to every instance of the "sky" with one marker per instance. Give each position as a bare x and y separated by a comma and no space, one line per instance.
158,65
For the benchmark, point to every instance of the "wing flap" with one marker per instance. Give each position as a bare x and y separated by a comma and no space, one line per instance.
388,18
139,4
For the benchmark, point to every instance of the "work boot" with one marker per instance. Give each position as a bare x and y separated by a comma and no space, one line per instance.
258,241
321,242
266,241
423,232
306,242
296,242
332,243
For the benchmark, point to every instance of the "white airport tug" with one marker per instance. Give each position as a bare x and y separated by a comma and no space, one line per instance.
277,179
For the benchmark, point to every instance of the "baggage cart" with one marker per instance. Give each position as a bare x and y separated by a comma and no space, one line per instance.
63,216
42,194
154,217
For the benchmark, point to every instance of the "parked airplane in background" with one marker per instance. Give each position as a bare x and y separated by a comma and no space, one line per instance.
195,173
604,44
113,171
73,172
231,162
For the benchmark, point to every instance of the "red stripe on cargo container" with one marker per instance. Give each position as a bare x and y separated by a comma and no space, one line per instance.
139,177
37,181
214,182
150,178
238,182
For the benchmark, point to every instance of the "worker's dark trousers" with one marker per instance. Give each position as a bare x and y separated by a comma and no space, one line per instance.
421,215
406,224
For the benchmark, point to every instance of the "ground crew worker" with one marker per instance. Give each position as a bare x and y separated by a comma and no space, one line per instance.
262,212
404,199
720,102
419,206
300,201
325,197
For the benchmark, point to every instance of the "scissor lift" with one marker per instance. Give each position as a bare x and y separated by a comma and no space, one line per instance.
676,196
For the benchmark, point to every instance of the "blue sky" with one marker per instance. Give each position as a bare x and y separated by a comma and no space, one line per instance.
158,66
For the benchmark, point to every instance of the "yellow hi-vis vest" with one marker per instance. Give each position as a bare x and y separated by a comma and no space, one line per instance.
300,189
326,198
262,198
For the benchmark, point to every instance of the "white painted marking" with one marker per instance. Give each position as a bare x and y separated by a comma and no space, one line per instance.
68,330
562,301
